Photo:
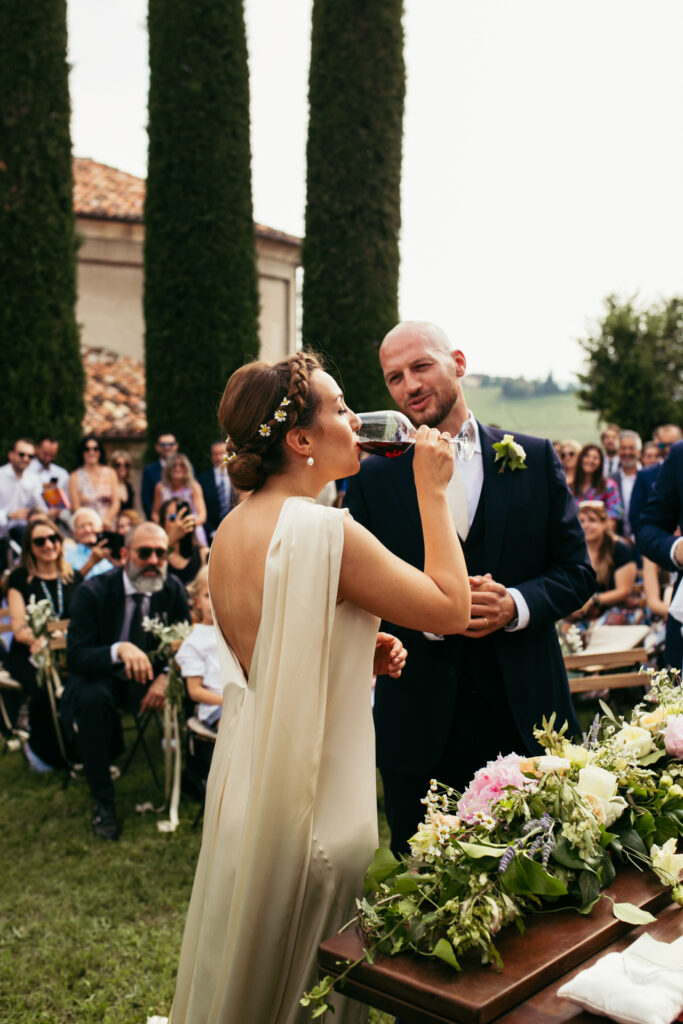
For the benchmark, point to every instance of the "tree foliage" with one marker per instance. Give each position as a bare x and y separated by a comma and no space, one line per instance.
353,216
42,369
634,373
201,298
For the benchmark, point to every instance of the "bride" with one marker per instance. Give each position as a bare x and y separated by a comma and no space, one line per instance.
298,590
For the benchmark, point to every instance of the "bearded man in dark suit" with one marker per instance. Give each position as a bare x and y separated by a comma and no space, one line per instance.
464,699
108,661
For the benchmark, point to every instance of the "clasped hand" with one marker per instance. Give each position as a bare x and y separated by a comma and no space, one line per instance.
390,656
492,607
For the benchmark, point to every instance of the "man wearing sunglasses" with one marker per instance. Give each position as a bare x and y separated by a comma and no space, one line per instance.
19,491
166,445
110,667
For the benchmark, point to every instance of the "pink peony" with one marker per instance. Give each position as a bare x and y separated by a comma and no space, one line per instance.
673,736
489,784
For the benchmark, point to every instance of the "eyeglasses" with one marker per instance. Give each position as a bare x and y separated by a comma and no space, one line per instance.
167,444
24,455
40,542
146,553
121,465
92,448
663,444
567,455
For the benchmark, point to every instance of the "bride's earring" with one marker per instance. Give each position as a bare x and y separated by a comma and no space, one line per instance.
310,461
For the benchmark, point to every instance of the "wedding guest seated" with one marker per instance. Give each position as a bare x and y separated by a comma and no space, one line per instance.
185,557
127,520
615,601
108,662
569,452
217,489
197,658
51,477
45,575
94,484
177,481
165,445
120,463
85,552
589,484
20,491
649,455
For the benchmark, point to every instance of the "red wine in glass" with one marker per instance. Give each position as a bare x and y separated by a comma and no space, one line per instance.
389,449
390,433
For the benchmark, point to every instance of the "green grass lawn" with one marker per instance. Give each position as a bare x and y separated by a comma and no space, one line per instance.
90,930
557,417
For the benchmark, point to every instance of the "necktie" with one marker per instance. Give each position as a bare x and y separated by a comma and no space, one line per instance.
457,502
223,499
136,633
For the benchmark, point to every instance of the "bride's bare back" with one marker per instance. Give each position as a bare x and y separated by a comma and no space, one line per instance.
236,570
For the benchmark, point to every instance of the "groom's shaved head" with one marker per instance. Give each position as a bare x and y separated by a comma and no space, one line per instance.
431,334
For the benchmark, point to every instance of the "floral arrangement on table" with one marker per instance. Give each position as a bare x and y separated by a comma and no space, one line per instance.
529,832
169,638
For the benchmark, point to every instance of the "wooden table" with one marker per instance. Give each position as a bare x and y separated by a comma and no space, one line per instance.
422,991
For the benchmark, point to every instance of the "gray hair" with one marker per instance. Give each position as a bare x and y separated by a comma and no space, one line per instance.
634,435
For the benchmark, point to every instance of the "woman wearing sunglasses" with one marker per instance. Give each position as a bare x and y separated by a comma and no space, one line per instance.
94,484
43,574
120,463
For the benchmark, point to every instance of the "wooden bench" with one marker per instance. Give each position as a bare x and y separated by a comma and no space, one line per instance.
598,670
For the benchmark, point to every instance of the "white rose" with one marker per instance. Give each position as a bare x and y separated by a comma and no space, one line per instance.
576,754
517,449
599,787
597,781
666,862
634,739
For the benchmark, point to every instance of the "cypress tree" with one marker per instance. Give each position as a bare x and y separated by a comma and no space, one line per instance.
353,213
201,299
42,369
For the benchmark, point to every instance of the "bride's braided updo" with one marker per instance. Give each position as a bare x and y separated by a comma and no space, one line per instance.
261,402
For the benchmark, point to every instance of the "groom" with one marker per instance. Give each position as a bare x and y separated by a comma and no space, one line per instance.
464,699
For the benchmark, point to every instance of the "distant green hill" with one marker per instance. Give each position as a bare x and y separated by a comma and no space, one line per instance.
555,416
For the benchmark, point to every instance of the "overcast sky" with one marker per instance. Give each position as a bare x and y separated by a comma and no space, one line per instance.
543,155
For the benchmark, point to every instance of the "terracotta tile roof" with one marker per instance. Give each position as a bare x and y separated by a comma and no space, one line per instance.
105,193
114,395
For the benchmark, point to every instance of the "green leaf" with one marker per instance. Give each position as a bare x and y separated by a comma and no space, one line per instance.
477,850
630,840
632,914
384,864
406,883
444,951
525,875
645,824
406,908
589,886
564,854
666,827
653,757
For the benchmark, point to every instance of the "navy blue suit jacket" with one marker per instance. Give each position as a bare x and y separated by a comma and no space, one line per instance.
532,541
207,482
151,475
642,489
664,511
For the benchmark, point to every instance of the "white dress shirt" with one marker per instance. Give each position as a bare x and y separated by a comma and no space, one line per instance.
472,476
198,656
17,492
49,473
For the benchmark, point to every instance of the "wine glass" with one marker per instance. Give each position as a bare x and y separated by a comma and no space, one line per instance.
390,433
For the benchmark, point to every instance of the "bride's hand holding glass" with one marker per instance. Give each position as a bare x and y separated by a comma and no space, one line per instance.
433,461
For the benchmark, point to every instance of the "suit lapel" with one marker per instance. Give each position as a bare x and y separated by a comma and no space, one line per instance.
116,604
496,489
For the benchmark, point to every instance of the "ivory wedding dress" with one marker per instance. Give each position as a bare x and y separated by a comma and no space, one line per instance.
291,820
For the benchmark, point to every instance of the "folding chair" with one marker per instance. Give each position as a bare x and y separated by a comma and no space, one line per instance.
141,723
7,683
597,670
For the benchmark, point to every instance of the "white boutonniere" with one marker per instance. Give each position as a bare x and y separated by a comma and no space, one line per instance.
509,453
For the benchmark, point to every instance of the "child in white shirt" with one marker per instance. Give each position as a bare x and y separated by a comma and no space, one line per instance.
197,656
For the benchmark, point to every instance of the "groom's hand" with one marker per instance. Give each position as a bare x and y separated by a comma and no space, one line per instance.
492,607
